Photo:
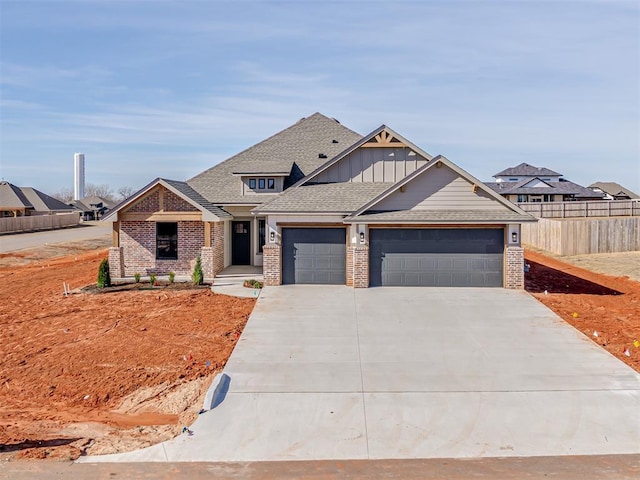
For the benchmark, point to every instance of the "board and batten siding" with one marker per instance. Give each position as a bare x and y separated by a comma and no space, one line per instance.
373,165
439,189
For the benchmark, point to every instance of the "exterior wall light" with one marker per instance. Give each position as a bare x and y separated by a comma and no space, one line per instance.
272,236
514,237
361,237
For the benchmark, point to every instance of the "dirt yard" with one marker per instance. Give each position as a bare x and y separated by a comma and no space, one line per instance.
605,308
99,373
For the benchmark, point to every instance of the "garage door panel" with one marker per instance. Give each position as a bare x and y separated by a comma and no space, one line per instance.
314,255
436,257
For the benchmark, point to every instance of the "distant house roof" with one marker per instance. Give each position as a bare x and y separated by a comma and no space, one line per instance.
297,150
28,198
563,187
526,170
614,189
88,204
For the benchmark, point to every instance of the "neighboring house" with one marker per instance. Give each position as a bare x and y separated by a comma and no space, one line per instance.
92,208
526,183
318,203
613,191
25,201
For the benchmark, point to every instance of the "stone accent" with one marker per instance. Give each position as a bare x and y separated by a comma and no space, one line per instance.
514,271
350,266
361,266
116,262
272,264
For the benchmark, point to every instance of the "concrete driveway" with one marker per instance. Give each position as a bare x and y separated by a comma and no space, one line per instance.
324,372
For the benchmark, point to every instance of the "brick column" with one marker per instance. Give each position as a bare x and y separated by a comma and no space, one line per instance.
206,257
272,264
350,266
361,266
116,262
217,243
515,268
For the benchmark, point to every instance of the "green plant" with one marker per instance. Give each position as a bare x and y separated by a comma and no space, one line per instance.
172,277
136,277
152,279
252,283
104,278
197,277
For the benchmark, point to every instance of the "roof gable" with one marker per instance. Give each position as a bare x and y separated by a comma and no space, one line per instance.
534,183
11,196
449,188
210,212
382,137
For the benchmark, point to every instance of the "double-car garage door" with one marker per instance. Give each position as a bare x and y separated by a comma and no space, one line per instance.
463,257
398,257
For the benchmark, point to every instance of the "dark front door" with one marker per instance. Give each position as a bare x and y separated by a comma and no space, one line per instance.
314,255
240,243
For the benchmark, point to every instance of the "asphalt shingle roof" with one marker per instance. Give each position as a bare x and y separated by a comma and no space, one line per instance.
443,216
555,188
524,169
29,198
614,189
186,190
295,149
325,197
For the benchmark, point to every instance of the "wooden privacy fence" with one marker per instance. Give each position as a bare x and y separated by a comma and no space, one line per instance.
583,236
38,222
605,208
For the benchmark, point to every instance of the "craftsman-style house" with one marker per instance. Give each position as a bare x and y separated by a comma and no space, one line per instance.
319,203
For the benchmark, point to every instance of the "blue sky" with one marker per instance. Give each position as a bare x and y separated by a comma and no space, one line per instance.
152,88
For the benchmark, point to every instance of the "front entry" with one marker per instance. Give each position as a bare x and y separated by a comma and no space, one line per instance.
240,243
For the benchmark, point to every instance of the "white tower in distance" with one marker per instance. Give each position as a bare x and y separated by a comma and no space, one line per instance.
78,176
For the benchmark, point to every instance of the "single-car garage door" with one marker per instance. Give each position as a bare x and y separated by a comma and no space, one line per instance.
463,257
314,255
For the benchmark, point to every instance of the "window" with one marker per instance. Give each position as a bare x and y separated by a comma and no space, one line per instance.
261,234
513,179
548,198
166,241
522,198
252,183
261,184
271,183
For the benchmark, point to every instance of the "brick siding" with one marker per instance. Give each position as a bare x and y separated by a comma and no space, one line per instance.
138,239
116,262
350,266
150,203
515,268
361,266
272,264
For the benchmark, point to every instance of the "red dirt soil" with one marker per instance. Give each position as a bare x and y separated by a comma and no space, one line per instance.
71,365
70,359
591,302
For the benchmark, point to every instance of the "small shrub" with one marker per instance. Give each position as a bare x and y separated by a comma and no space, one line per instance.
252,283
104,278
136,277
197,277
172,277
152,279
